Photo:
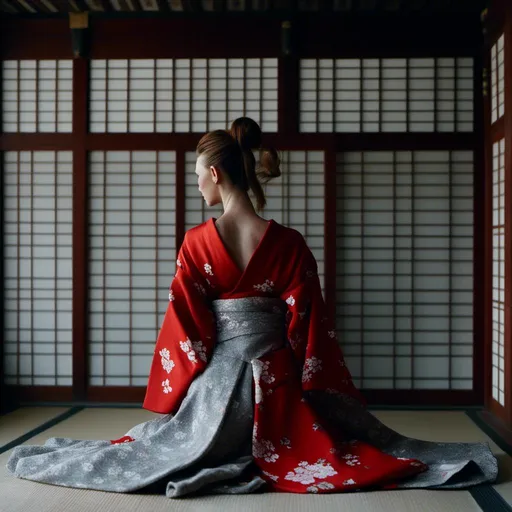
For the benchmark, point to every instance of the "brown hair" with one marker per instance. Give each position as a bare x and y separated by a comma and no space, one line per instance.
231,151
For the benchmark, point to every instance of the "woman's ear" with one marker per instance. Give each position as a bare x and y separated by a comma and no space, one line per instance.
215,174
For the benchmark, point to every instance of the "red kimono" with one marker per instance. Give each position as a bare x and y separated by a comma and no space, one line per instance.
292,446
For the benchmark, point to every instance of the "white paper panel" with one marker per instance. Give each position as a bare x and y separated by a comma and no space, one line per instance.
132,261
386,95
498,272
498,79
181,95
38,268
37,95
404,268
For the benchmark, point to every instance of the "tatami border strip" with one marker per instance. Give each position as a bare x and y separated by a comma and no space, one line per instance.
489,499
40,428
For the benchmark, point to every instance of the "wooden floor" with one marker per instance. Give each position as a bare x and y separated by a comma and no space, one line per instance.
17,495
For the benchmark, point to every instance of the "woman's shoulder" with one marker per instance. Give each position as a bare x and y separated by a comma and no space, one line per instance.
196,240
197,233
290,235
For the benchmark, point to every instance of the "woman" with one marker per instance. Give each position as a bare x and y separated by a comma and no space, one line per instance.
248,374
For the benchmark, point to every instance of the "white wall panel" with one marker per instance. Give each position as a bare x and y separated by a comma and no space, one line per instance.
38,268
404,268
131,265
181,95
37,95
386,95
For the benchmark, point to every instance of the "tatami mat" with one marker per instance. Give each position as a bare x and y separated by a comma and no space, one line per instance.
20,421
450,426
17,495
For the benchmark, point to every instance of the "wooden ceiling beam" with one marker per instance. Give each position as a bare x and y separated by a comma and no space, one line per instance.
82,6
107,6
163,6
192,5
8,6
15,7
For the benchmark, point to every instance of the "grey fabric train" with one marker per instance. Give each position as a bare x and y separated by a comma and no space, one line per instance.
206,447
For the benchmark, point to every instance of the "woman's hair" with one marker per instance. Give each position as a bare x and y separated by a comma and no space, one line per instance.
231,151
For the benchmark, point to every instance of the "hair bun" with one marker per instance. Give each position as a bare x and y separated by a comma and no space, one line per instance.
246,132
269,164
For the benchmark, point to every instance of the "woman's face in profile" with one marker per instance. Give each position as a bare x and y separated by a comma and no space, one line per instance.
209,190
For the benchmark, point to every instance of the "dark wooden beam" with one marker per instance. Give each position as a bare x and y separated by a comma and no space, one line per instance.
192,5
289,141
136,5
508,210
163,6
26,4
8,6
219,5
326,5
107,6
80,232
132,394
82,6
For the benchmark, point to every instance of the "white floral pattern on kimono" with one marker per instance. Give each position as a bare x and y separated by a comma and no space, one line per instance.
267,286
306,473
193,349
171,296
312,365
320,485
166,386
262,449
352,460
232,324
290,301
208,269
271,476
115,470
261,373
167,362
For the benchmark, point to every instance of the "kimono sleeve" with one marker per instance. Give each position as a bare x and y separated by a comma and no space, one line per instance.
311,334
185,340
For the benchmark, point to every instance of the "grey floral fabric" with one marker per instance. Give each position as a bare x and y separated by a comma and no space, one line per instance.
451,465
206,447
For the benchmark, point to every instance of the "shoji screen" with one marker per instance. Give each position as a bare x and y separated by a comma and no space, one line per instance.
132,251
295,199
38,267
498,272
405,268
181,95
386,95
498,79
37,95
